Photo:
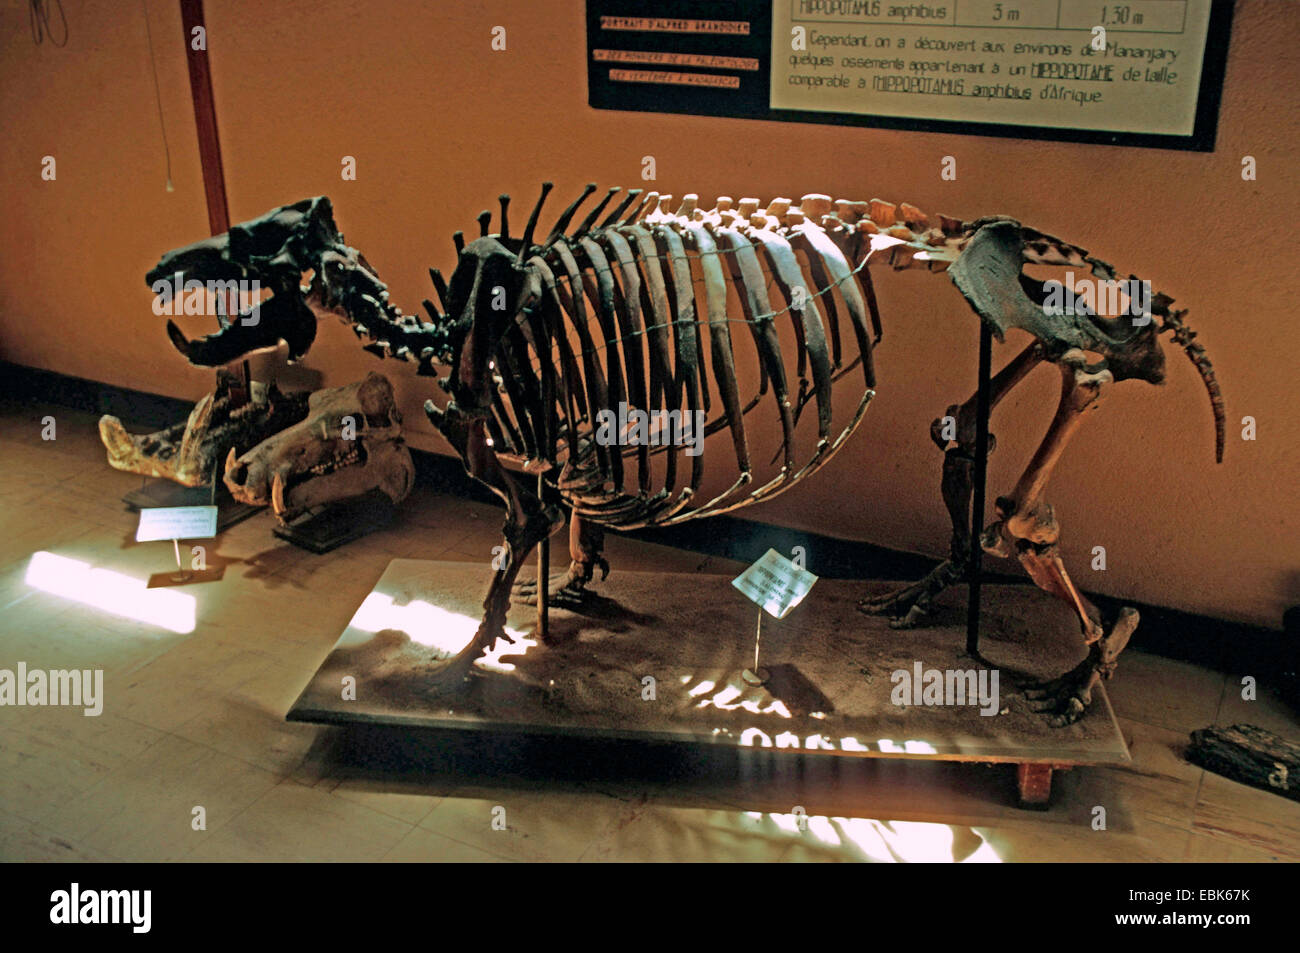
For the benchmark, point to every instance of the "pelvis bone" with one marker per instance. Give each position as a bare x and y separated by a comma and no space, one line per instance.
349,444
187,453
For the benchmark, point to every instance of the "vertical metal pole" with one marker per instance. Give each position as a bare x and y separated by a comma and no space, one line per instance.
205,125
205,117
977,503
543,575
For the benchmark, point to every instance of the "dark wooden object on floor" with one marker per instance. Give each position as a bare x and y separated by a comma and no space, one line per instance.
1250,755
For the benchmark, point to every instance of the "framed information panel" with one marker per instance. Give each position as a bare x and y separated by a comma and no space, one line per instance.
1138,73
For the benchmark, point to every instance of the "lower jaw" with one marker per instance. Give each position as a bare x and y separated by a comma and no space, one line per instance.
288,496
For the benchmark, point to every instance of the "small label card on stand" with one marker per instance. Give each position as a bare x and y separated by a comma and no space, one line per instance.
775,583
177,523
776,586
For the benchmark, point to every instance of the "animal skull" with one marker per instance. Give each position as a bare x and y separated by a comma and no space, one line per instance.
188,453
349,444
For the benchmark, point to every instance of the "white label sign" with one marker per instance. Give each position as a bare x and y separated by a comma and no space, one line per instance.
176,522
1132,66
775,583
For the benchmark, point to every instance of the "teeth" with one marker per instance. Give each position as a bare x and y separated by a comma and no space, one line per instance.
329,466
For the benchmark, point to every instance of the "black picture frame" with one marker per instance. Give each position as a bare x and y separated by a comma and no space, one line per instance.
751,100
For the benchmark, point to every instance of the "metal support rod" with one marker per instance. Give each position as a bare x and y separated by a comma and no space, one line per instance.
543,574
181,574
980,465
205,126
758,635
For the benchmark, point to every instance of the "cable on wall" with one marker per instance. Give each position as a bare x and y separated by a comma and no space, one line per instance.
157,90
38,15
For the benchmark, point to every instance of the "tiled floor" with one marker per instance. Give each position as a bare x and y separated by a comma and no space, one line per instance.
193,736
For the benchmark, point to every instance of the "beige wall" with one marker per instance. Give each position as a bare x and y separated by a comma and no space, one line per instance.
439,124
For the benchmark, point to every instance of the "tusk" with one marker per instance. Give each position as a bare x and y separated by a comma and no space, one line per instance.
277,494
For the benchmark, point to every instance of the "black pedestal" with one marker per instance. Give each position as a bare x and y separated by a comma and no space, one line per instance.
329,527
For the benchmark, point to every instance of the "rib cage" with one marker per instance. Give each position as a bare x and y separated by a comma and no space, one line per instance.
627,309
631,306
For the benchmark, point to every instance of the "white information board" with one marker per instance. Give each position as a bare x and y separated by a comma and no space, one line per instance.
1130,66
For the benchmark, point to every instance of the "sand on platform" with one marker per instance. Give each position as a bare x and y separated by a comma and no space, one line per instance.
831,668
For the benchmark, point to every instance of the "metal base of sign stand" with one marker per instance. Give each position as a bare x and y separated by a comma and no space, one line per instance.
185,577
182,576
